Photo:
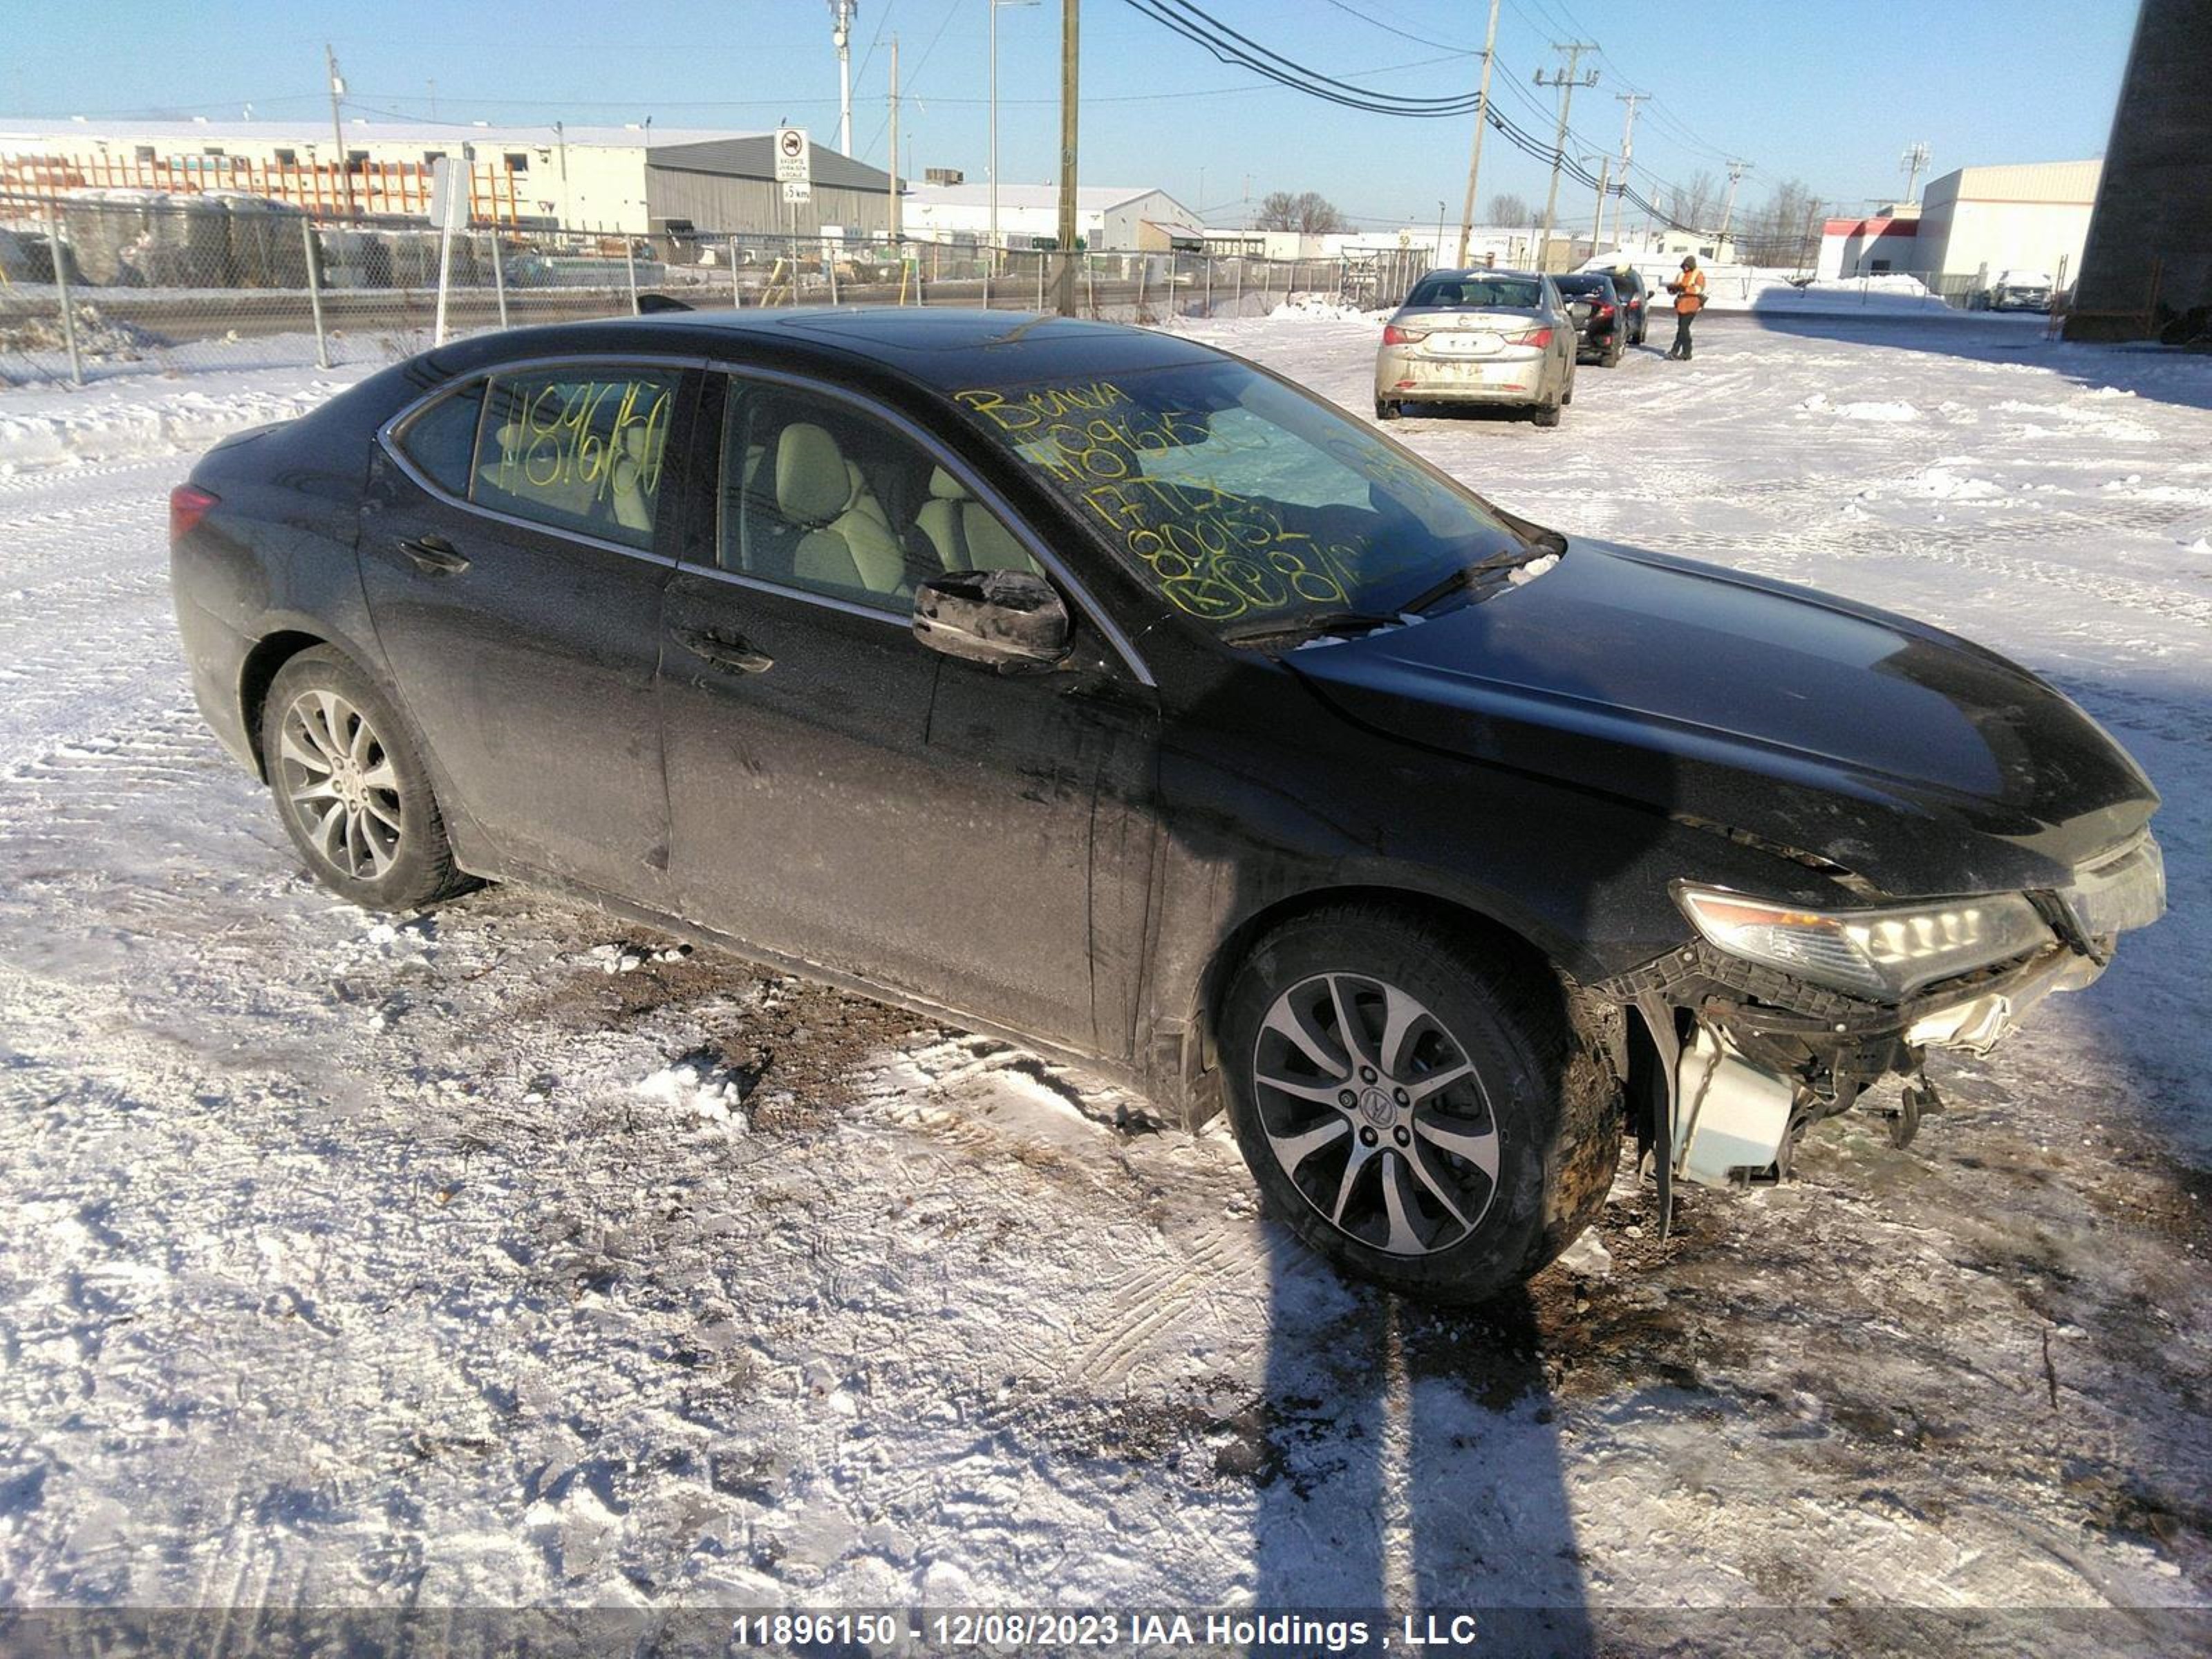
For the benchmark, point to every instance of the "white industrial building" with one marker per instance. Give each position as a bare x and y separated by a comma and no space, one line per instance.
629,179
1970,225
1108,217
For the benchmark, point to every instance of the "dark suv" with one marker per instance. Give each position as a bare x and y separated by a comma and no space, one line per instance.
1095,689
1635,301
1595,305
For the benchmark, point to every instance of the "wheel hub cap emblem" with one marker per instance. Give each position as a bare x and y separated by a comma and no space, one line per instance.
1376,1107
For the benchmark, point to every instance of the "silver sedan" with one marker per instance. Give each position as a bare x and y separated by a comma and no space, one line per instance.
1479,337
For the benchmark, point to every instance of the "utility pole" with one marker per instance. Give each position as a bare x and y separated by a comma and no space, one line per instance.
1736,170
1604,182
1912,161
1566,81
1482,120
1628,151
841,36
898,208
1070,82
337,128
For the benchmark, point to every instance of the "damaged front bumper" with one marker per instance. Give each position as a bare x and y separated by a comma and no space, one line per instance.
1744,1057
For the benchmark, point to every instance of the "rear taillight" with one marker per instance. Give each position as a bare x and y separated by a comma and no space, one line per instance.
1605,310
1535,336
187,507
1394,335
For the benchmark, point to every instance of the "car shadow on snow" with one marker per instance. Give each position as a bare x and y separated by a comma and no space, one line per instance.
2143,369
1416,1467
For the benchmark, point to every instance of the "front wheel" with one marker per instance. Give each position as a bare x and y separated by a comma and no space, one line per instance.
1415,1105
353,794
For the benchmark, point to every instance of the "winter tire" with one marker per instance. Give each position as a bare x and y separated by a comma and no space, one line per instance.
1612,358
1415,1105
1385,410
350,788
1547,414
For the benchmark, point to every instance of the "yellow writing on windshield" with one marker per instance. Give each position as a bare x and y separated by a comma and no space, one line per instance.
1149,478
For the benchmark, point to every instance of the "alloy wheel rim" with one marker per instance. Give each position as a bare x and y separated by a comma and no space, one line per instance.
340,785
1372,1107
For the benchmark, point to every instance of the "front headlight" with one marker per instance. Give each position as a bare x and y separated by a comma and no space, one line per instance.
1885,954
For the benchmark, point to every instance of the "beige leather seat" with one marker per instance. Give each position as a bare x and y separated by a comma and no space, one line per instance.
846,543
965,534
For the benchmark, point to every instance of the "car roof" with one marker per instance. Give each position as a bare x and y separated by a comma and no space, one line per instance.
946,348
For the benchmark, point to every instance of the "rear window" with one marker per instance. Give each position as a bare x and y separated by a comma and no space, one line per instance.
1505,293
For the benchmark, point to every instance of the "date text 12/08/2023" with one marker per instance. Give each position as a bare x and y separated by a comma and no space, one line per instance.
916,1631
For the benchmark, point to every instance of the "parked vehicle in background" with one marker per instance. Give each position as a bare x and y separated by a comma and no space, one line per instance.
2016,290
963,658
1635,298
1479,337
1595,304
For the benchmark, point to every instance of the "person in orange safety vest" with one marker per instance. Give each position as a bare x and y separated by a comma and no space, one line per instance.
1689,292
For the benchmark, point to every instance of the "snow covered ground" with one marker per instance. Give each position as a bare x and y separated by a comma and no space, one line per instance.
507,1256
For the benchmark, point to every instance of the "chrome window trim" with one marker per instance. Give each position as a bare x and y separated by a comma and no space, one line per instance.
388,435
935,449
902,622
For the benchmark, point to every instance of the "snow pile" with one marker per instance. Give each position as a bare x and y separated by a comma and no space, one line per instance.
1320,308
116,420
700,1087
1818,404
98,340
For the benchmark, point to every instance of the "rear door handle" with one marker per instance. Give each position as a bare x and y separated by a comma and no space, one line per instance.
723,650
435,555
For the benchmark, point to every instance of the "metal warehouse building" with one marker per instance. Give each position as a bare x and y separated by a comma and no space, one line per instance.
627,180
729,184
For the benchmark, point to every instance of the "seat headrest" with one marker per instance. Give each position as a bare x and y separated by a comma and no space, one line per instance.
944,487
811,487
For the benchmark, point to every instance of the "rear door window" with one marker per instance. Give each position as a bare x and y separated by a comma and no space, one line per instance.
577,448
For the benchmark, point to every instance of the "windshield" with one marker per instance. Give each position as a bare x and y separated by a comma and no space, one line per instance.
1239,499
1506,293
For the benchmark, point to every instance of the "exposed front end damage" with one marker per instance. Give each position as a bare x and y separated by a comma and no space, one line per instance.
1733,1059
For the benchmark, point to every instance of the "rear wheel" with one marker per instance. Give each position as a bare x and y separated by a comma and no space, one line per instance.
1547,414
1387,408
1612,358
352,793
1414,1105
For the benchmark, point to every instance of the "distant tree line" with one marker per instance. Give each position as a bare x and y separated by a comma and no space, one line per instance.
1309,211
1784,230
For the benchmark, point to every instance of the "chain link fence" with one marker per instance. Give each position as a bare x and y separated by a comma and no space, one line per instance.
105,282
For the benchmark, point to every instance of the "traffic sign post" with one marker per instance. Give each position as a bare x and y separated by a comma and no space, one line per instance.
449,211
794,174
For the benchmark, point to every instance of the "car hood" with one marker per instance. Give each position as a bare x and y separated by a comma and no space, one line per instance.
1920,762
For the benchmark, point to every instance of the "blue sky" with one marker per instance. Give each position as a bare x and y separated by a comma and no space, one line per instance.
1828,91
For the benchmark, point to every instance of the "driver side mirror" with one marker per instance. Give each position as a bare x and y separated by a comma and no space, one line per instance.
1004,618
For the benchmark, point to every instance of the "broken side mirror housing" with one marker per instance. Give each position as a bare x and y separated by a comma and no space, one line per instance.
1003,618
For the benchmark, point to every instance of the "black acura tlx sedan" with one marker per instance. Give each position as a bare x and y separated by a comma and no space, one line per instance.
1100,691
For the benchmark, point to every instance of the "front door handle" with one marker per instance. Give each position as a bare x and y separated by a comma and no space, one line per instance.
434,555
723,650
